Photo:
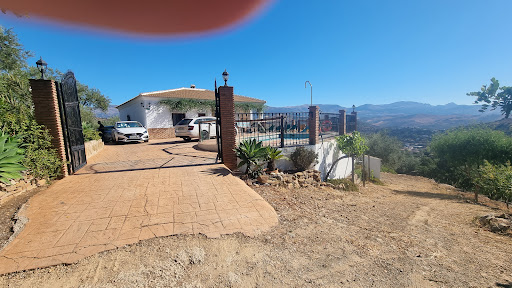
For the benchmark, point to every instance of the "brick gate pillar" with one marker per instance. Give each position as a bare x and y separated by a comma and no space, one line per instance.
314,124
342,123
355,120
47,113
227,126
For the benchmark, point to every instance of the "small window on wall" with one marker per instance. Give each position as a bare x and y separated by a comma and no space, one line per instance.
201,114
176,117
128,118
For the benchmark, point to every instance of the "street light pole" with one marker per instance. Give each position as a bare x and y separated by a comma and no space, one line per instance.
306,86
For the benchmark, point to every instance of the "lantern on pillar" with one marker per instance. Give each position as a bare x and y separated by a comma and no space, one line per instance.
225,76
41,66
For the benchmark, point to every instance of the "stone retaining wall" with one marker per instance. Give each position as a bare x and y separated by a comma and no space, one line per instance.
18,187
93,147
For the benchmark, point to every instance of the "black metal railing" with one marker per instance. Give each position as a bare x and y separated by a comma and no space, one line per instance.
273,129
329,125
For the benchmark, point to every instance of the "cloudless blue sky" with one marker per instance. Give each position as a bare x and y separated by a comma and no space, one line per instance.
353,52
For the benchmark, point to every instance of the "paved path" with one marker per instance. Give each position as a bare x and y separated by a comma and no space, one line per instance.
133,192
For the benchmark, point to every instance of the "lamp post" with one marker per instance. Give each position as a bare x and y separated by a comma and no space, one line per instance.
225,76
41,66
306,86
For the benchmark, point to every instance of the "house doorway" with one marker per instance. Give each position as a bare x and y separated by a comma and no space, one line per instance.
176,117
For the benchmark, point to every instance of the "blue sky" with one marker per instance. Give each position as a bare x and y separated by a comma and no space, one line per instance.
353,52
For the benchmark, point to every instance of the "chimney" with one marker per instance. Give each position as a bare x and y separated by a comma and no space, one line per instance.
192,86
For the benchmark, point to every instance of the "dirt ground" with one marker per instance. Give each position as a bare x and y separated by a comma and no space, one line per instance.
7,211
411,232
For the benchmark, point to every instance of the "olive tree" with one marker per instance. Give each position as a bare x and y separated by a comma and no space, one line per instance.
352,145
494,96
459,154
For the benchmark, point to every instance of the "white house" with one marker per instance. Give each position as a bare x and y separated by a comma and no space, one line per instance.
157,117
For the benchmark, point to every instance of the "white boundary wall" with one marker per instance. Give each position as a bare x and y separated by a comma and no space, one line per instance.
327,154
374,165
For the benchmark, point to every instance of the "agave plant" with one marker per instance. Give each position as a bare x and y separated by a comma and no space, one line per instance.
10,158
249,152
273,154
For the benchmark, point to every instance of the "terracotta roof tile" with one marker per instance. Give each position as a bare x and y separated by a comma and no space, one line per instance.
192,93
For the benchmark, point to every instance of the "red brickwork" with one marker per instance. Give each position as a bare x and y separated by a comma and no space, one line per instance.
47,113
227,127
342,124
314,124
161,133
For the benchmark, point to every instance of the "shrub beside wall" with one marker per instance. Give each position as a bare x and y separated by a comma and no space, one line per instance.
303,158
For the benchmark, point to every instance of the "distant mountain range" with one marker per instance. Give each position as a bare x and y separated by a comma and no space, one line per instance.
408,114
395,115
111,112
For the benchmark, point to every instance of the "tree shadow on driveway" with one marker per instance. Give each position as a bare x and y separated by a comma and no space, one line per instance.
504,285
463,197
100,168
166,143
218,171
430,195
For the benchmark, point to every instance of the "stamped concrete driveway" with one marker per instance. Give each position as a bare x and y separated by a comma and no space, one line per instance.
133,192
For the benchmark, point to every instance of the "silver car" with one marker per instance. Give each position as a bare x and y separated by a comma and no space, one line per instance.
130,131
191,128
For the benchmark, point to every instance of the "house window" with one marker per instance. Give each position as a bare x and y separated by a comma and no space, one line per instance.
201,114
176,117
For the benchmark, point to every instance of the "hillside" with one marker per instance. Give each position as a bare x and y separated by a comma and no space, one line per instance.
408,114
504,125
426,121
111,112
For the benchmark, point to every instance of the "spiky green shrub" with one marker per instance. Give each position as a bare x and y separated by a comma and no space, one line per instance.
10,157
271,155
250,152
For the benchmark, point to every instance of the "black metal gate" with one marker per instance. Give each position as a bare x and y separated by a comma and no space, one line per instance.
218,120
71,122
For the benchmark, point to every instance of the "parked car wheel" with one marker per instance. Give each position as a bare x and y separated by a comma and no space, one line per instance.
187,139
